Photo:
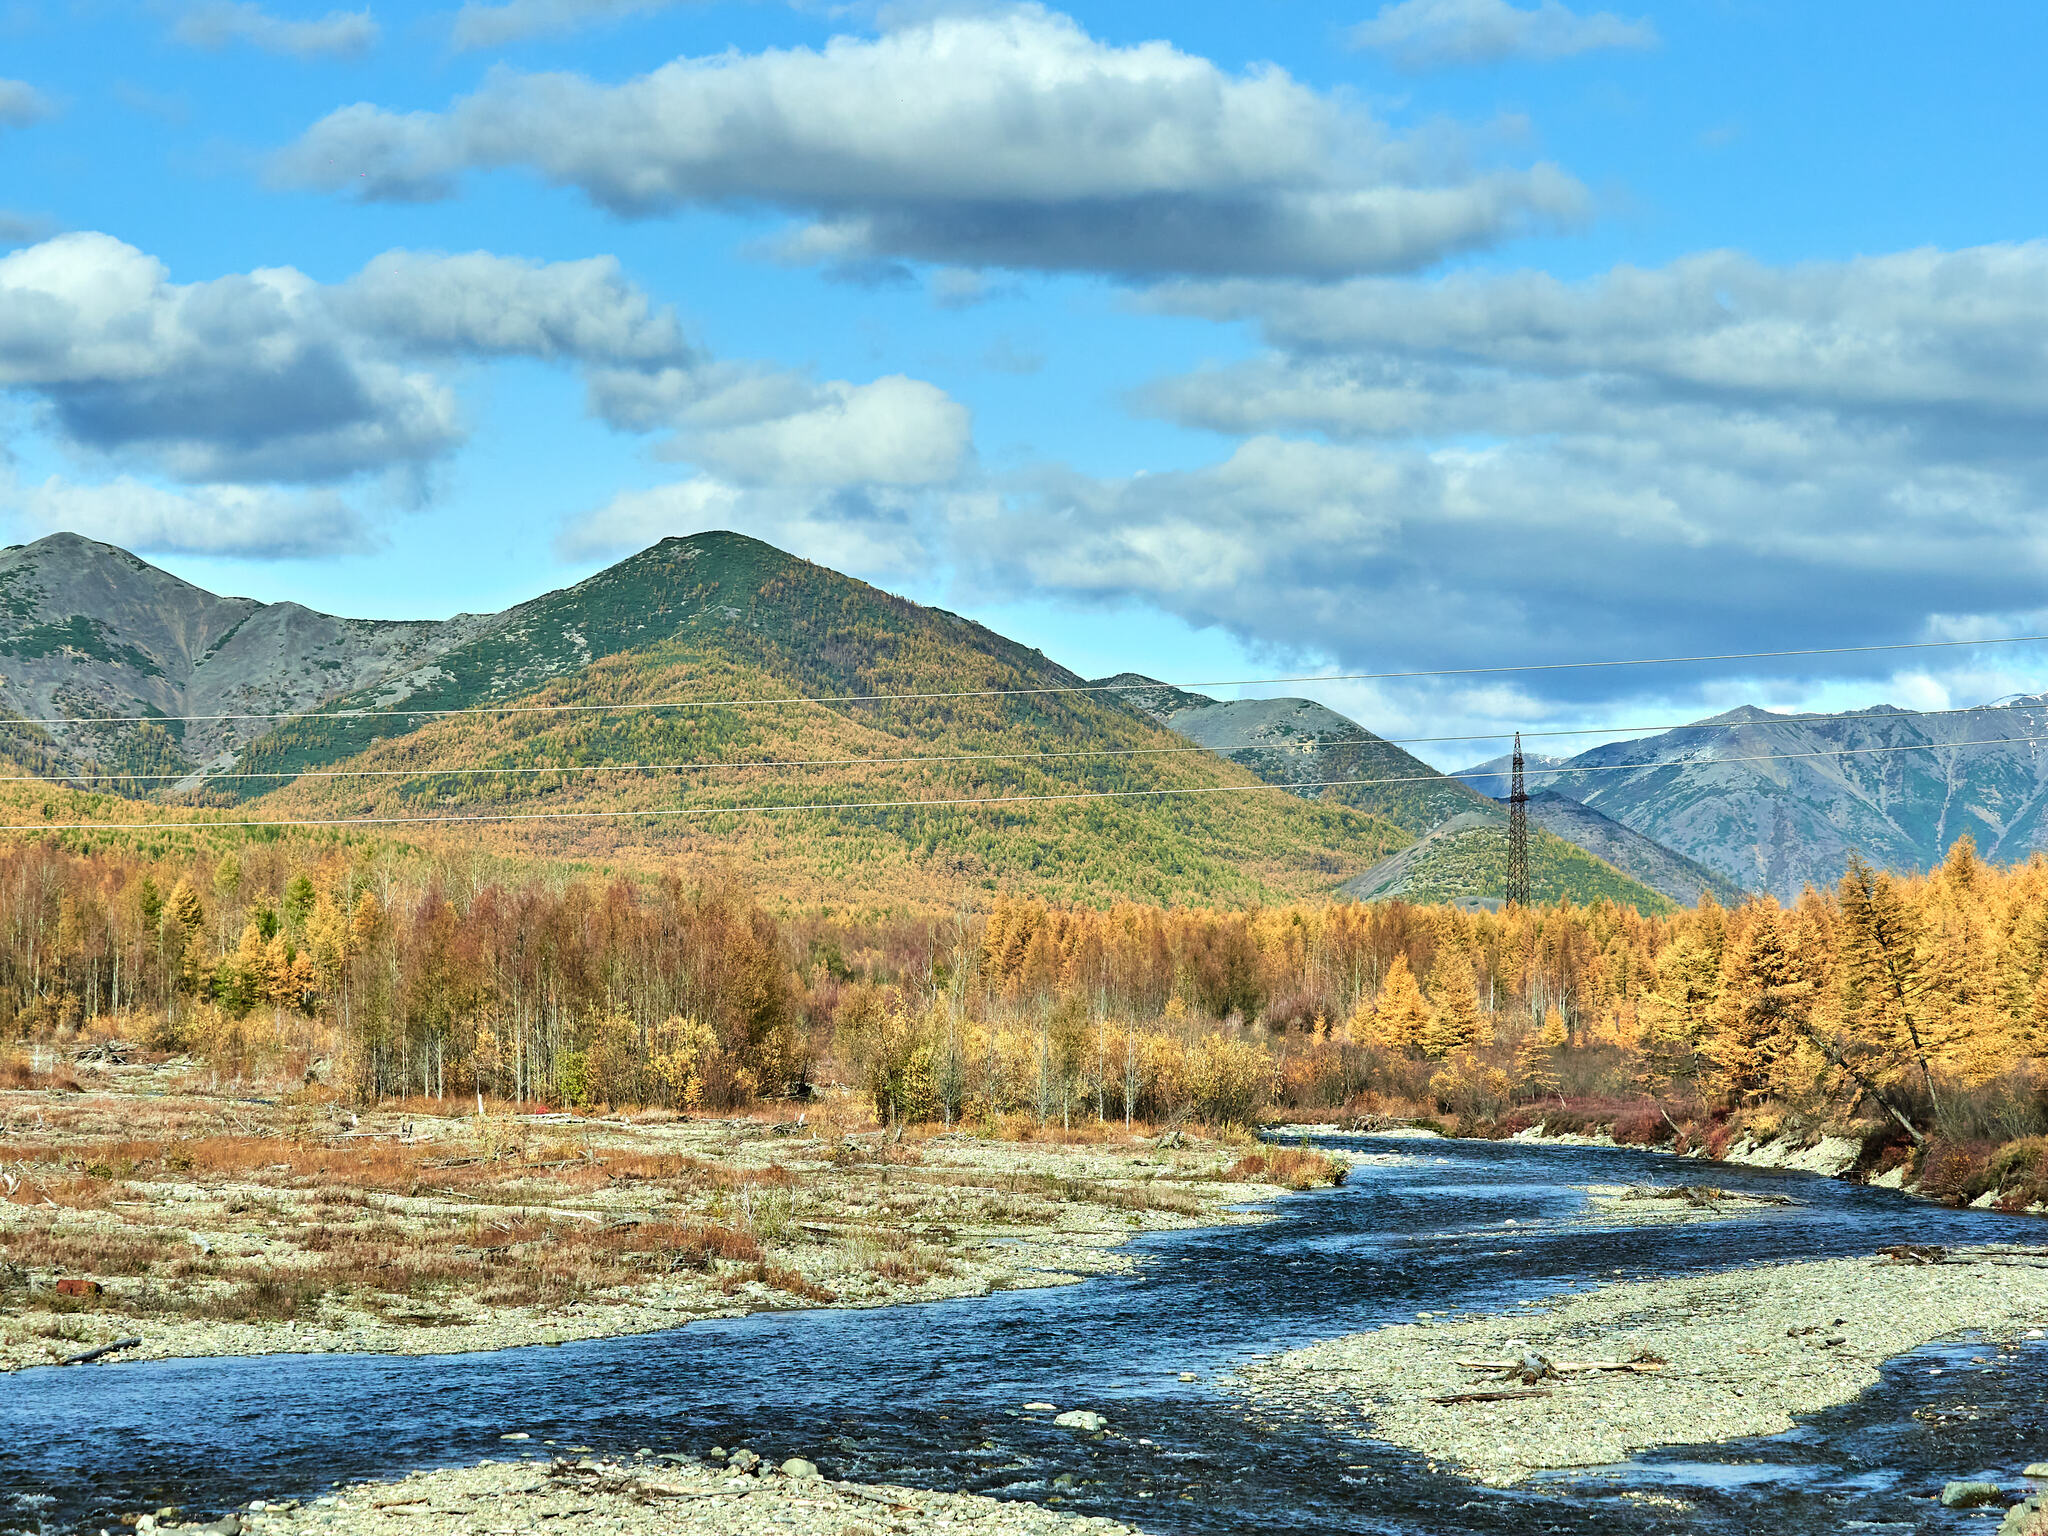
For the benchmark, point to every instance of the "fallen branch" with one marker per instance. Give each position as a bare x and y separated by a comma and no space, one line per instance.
1492,1397
1914,1253
1564,1366
104,1349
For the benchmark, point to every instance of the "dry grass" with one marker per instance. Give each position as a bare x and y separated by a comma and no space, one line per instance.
1288,1167
266,1205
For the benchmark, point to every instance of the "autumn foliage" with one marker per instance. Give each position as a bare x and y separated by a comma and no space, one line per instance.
1914,1006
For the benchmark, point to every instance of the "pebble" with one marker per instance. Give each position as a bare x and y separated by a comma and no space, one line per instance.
1081,1418
1040,1408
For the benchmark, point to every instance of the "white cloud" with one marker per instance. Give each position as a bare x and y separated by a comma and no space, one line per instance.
215,24
21,104
1431,34
876,532
268,378
1008,138
268,375
894,431
482,304
261,522
478,25
1714,456
1942,336
242,378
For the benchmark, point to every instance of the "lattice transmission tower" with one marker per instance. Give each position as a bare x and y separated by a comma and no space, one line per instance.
1518,834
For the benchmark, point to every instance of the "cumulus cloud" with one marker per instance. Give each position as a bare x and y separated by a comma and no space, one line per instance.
267,379
514,21
487,305
268,375
21,104
215,24
1432,34
241,378
1008,139
260,522
894,431
1713,456
876,531
1945,337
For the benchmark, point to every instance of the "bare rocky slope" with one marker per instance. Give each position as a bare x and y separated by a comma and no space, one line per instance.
89,631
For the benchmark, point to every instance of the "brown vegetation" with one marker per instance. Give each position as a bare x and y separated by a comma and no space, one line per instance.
1915,1009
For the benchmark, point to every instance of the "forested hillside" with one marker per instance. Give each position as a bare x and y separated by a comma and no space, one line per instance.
630,744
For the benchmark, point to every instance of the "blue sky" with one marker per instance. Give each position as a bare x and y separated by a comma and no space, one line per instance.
1202,340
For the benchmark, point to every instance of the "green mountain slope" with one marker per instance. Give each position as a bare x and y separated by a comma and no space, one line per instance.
1465,861
1302,744
720,617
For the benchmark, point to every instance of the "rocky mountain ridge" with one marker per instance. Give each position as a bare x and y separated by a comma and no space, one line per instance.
89,631
1777,802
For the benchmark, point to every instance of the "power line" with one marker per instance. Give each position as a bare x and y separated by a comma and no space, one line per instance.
670,812
1003,693
1365,737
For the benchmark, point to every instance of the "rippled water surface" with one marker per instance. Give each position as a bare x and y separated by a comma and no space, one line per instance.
930,1394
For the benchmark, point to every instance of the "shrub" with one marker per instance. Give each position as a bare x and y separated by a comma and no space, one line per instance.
1953,1170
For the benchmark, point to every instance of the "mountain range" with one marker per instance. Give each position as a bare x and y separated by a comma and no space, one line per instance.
658,712
611,722
1775,802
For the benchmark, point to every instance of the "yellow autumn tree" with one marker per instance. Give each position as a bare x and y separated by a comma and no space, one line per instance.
1761,1012
1456,1022
1401,1016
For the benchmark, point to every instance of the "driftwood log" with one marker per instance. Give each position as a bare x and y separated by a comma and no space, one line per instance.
1532,1367
104,1349
1492,1397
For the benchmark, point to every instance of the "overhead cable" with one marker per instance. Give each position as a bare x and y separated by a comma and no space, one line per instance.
1001,693
1365,737
671,812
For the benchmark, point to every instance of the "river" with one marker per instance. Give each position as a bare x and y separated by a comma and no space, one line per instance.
931,1394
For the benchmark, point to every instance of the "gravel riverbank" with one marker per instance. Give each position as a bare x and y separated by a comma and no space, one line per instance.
646,1497
204,1224
1721,1357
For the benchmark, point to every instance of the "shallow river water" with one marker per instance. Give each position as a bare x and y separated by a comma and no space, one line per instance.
930,1394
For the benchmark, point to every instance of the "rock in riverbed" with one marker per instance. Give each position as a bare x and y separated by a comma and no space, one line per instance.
2029,1517
1081,1418
1968,1494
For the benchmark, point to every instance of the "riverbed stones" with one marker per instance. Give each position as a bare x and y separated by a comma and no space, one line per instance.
1968,1494
1082,1419
1733,1361
2029,1517
530,1498
2035,1469
797,1467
